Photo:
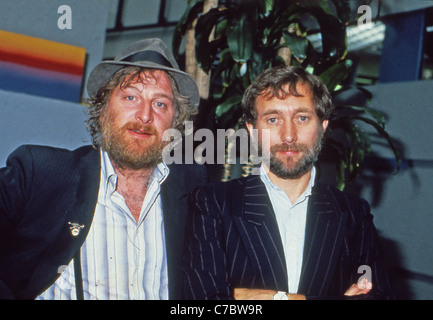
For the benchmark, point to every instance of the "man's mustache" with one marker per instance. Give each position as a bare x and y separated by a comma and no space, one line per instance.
139,127
289,147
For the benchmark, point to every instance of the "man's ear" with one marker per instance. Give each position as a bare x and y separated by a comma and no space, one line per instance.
325,124
250,128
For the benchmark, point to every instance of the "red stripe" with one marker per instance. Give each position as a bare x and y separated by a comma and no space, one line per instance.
41,63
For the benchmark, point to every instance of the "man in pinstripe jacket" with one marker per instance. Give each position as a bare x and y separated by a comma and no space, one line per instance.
280,235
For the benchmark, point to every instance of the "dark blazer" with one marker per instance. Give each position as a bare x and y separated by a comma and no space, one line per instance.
42,189
233,241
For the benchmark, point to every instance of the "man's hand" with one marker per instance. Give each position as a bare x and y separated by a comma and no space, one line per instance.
362,287
261,294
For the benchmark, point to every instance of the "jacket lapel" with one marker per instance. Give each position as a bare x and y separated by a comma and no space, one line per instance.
85,188
324,231
258,229
83,208
175,208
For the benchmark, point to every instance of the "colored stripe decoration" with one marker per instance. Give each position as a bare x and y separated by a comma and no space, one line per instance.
41,67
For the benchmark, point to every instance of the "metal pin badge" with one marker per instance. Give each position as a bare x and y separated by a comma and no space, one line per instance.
75,228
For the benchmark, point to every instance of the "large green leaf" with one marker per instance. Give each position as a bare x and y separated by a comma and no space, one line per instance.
332,30
298,45
204,49
360,146
336,74
266,6
227,105
258,64
343,10
240,35
219,74
191,12
324,5
378,116
383,133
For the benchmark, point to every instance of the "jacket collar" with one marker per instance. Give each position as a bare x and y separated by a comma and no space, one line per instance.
323,239
258,230
256,205
324,230
175,209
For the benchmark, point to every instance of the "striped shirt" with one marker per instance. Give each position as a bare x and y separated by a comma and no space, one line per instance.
291,218
121,258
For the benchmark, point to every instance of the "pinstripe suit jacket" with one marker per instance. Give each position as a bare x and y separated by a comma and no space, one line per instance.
233,241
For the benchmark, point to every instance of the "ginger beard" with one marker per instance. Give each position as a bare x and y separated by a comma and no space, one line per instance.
127,152
289,168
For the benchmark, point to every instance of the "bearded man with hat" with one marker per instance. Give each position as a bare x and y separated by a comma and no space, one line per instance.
104,221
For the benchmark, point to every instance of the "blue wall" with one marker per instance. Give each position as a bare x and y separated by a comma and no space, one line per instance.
402,203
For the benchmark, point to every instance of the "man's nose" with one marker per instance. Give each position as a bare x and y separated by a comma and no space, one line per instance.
288,132
144,112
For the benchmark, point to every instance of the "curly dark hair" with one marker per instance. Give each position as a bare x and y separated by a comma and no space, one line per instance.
123,77
271,83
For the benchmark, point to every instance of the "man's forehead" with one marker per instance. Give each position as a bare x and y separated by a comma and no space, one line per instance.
147,77
285,92
154,78
278,102
297,89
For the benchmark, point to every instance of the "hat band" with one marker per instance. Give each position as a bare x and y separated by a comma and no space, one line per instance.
149,55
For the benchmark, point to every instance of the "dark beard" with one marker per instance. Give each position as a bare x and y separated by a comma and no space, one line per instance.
286,169
130,154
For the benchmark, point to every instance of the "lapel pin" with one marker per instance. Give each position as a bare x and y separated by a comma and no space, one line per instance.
75,228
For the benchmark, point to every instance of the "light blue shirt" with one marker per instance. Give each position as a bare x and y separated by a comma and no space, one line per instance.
121,258
291,218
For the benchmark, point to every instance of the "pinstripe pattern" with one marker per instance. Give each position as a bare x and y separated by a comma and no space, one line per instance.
233,242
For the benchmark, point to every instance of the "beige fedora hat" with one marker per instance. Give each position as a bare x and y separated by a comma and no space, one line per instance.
148,53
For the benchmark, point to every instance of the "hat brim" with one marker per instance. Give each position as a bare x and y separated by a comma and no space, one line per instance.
103,72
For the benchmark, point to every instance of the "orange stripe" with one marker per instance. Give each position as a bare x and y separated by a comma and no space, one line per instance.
40,49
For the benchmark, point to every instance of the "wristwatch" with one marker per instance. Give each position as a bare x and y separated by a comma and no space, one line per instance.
280,295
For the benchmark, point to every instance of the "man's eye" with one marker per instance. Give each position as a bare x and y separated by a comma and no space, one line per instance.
130,98
160,104
272,120
303,118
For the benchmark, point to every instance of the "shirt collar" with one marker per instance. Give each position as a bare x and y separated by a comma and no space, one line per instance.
270,185
109,176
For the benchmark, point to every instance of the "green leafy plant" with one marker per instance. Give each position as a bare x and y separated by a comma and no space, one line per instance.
347,144
237,40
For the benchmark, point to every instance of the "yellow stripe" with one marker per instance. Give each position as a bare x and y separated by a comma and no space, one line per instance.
47,49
